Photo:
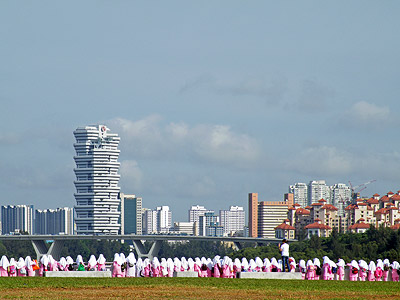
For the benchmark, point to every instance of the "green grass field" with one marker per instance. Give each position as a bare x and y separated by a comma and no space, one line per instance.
192,288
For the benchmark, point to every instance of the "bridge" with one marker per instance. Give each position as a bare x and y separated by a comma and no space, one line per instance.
39,241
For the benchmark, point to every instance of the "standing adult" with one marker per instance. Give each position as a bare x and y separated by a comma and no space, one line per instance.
284,248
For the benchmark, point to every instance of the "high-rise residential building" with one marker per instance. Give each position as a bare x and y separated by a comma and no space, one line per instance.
54,221
149,221
317,190
164,219
253,214
131,214
97,180
157,221
264,216
233,220
341,197
16,218
300,193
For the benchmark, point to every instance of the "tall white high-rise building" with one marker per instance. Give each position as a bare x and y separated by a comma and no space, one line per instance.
341,196
96,181
164,219
16,218
317,190
300,193
232,220
195,212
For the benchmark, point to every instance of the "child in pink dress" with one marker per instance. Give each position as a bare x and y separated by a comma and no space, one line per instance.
354,270
310,270
340,269
379,270
386,269
395,271
371,271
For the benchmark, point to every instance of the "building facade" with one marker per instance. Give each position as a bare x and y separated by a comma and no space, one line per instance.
16,219
97,180
131,214
54,221
300,193
232,220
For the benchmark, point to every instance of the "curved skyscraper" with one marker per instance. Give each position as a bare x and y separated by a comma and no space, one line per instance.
97,202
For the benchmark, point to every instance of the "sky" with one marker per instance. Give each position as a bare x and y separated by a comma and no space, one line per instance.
212,99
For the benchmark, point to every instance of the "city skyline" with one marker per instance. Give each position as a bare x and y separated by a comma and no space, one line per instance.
212,101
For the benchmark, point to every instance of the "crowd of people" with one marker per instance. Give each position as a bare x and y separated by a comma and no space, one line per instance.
381,270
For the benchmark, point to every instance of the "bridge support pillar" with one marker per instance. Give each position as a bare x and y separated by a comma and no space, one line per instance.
141,252
238,246
41,249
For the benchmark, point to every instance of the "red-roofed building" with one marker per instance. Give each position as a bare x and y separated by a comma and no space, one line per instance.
359,227
285,231
318,229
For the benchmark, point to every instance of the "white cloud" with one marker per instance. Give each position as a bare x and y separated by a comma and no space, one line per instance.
131,175
322,161
150,138
367,112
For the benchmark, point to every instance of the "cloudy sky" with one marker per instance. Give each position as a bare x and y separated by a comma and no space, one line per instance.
212,99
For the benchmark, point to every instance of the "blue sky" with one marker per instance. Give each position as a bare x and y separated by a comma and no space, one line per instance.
212,99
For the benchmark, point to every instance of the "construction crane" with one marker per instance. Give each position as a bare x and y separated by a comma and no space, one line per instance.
355,190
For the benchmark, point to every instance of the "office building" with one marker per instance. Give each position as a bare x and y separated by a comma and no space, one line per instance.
195,212
97,180
158,221
205,221
131,214
16,219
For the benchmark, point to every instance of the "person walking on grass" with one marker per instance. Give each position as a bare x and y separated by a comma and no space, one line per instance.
284,248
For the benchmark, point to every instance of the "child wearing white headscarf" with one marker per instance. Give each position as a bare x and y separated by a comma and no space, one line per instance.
302,268
12,269
386,268
379,270
395,271
267,265
62,264
354,270
363,270
340,269
371,271
29,263
310,270
131,265
21,268
92,263
101,263
116,267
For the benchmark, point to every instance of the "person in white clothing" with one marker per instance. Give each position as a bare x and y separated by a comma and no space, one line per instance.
284,248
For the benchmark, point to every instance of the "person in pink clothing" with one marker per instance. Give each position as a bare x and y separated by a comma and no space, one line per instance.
274,265
101,263
155,267
310,270
4,264
326,268
62,264
29,263
21,268
237,267
177,265
226,272
217,269
363,270
302,268
379,270
245,265
197,266
139,267
210,266
386,269
164,267
340,269
70,263
371,271
12,268
116,267
395,271
292,263
170,267
92,263
354,270
267,265
146,267
259,264
44,265
317,269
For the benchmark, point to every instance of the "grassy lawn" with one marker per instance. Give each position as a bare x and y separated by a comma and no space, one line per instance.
192,288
